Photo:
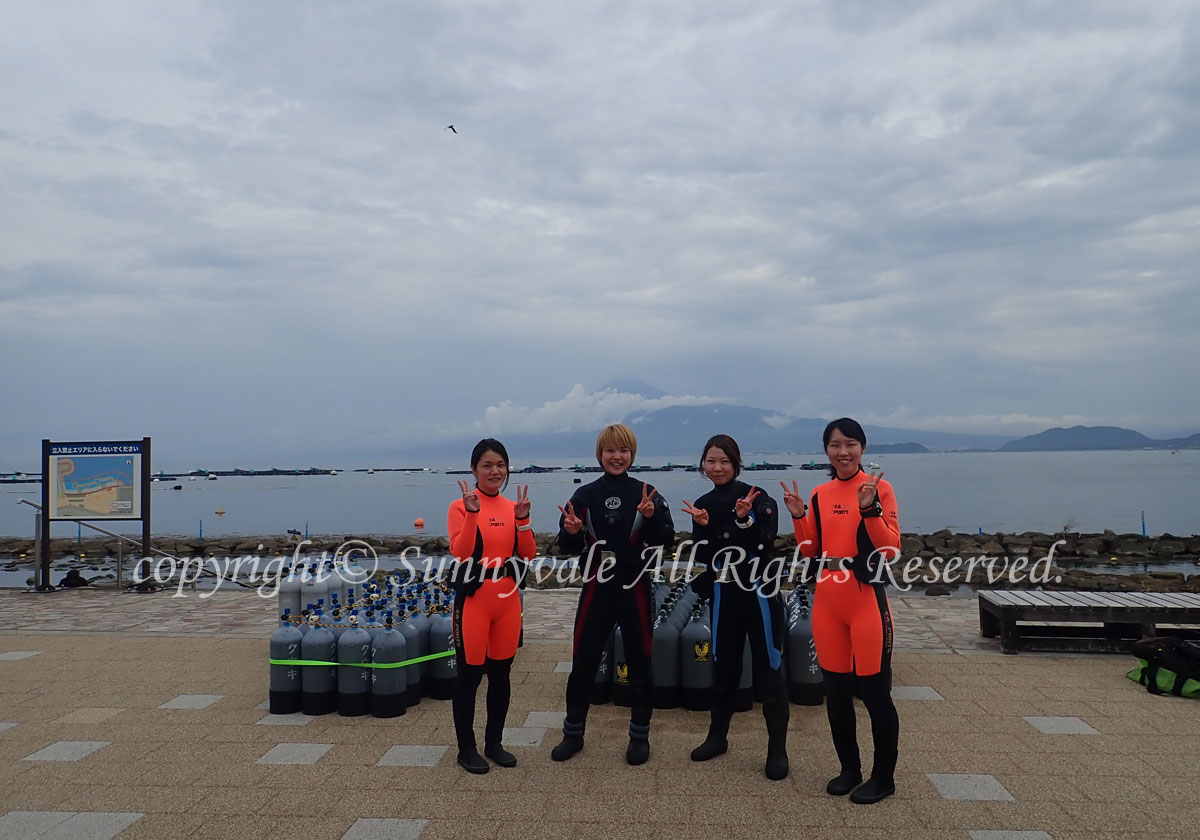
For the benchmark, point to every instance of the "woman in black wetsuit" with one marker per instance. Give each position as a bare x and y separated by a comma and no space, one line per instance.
734,527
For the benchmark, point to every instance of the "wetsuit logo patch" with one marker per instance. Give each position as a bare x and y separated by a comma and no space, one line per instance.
701,651
612,502
622,673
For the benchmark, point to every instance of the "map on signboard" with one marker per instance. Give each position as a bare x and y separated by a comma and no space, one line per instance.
95,486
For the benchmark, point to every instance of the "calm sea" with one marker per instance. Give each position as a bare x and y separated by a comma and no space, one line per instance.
1010,492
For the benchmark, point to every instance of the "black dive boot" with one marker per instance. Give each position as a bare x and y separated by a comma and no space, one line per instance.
839,706
717,742
572,740
639,743
777,757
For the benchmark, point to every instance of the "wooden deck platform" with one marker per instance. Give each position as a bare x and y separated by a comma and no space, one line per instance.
1090,622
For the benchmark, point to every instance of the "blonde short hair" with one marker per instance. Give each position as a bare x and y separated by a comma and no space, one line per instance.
616,436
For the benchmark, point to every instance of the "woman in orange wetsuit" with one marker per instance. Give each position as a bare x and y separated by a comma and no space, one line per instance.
852,525
490,538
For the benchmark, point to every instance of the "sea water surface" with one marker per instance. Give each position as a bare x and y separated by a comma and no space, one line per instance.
965,492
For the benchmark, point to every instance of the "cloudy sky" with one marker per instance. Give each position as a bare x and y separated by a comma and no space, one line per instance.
243,228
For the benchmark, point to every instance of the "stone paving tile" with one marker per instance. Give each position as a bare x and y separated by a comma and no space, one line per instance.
1009,835
294,719
562,667
915,692
1060,725
14,655
295,753
969,786
67,751
92,826
413,755
192,701
544,720
522,736
385,829
64,825
22,825
4,726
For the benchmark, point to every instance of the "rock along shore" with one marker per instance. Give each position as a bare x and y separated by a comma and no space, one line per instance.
1080,561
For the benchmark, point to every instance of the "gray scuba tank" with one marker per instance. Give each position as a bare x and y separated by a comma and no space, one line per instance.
354,684
443,672
318,682
421,622
414,686
313,585
285,685
664,664
695,663
289,591
602,685
805,685
388,684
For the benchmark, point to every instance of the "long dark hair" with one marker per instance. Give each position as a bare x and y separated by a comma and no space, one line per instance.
851,429
727,445
490,445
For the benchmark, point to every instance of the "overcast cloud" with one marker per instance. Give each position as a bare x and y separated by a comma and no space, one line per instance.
243,228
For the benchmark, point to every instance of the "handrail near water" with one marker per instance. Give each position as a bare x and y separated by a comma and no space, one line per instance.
120,554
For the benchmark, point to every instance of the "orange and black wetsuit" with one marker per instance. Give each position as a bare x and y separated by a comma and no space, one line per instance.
621,596
487,608
852,622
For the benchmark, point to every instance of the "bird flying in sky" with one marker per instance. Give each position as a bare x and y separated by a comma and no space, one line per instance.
452,128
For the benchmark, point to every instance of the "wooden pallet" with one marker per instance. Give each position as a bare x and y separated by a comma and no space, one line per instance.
1087,622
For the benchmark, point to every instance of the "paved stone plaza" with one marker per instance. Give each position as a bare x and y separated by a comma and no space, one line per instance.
144,716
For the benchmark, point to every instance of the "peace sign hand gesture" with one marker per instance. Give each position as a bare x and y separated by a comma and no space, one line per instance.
741,508
793,501
521,506
470,497
699,515
868,491
572,524
646,505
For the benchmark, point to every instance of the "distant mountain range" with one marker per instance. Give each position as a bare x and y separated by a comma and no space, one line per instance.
1082,438
681,430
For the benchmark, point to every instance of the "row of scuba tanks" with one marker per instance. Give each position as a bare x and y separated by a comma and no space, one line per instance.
360,646
682,656
378,647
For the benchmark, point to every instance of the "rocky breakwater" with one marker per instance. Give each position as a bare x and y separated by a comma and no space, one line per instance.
1106,561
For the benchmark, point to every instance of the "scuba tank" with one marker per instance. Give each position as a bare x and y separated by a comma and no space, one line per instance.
388,684
664,664
413,685
805,684
318,683
421,622
443,672
289,591
695,663
313,588
354,686
285,679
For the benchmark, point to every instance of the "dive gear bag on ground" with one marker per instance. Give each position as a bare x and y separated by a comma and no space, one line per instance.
1167,665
